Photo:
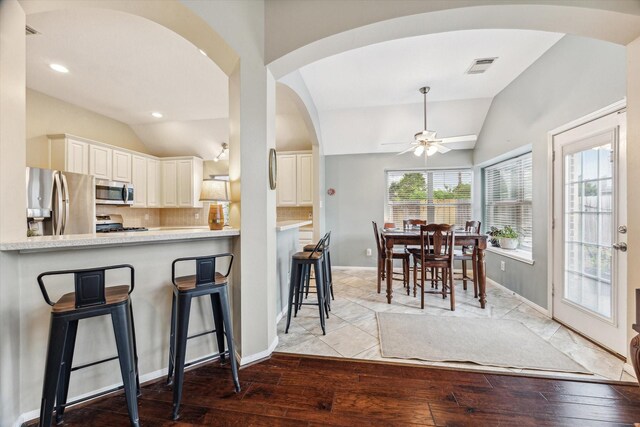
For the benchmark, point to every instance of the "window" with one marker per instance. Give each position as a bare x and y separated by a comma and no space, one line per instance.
437,196
507,197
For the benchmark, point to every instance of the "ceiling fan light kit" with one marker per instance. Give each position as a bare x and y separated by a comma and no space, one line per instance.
426,141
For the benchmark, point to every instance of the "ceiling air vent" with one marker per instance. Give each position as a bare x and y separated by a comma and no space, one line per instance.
481,65
30,31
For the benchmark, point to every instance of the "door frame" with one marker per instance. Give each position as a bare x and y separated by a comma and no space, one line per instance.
609,109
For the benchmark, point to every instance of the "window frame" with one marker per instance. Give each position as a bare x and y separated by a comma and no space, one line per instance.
468,169
525,250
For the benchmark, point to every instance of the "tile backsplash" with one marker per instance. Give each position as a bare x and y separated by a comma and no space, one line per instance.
287,213
132,217
184,217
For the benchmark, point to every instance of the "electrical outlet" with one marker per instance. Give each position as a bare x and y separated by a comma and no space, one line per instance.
503,265
368,251
197,216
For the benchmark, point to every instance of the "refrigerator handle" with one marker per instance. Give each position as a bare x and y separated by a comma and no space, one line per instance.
57,187
65,196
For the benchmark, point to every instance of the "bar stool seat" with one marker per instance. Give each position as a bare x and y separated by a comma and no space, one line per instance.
90,299
185,283
113,295
307,255
206,282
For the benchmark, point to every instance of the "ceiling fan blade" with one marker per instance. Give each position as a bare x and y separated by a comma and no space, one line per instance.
398,143
407,150
461,138
441,148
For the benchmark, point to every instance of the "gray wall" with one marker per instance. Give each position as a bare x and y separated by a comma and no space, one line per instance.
575,77
359,181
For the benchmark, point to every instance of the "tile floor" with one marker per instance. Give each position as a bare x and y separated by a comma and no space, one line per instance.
352,329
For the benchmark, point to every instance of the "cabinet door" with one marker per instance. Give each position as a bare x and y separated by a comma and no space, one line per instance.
139,180
185,183
153,183
304,175
77,156
100,162
121,166
286,183
169,181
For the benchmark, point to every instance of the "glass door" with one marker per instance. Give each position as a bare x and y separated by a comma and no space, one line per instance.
589,210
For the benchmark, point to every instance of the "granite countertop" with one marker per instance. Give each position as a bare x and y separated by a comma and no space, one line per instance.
290,224
115,239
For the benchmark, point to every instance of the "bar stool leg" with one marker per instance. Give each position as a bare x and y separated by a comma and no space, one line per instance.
320,291
172,340
65,370
330,273
327,283
135,349
182,327
226,317
218,322
57,334
124,342
292,293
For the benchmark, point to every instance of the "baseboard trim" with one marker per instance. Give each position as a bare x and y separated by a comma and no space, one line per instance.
628,368
520,298
349,267
258,356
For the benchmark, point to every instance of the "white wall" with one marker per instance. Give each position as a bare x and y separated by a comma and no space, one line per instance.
575,77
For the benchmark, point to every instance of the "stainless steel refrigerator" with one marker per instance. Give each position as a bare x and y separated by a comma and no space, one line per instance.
60,202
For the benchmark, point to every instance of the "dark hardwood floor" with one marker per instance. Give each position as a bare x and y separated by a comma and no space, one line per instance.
290,390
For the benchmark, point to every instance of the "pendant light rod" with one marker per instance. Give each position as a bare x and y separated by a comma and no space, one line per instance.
424,91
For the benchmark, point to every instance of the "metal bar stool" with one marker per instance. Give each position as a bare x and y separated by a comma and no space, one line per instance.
301,263
90,299
326,264
206,281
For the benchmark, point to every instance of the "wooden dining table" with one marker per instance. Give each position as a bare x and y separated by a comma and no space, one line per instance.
411,237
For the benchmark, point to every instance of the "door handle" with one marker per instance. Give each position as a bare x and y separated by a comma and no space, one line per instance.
622,247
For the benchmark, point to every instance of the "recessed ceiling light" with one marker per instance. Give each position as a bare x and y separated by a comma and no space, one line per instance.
203,52
59,68
156,115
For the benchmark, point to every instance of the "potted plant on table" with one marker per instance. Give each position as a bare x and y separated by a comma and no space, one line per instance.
508,238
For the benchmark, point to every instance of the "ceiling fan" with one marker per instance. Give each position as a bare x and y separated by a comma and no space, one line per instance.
426,141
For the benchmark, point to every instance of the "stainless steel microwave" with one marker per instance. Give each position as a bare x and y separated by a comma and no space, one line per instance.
114,193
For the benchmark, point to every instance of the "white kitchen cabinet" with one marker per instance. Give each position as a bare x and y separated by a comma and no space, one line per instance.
295,179
139,180
169,183
100,161
304,175
69,154
153,183
121,166
181,182
287,180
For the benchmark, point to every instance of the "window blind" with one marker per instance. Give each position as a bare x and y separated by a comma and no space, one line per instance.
437,196
507,197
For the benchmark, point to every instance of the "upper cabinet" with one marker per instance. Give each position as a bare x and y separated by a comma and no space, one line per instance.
69,154
295,179
121,166
158,182
181,182
100,162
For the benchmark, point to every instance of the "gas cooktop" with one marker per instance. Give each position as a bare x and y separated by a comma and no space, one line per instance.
112,223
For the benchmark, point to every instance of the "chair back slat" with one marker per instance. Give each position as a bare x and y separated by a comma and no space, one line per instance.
472,227
205,271
436,241
89,288
319,246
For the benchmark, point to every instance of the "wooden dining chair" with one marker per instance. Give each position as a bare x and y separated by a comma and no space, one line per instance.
436,254
382,257
467,253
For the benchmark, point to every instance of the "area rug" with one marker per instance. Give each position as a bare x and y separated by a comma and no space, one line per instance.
491,342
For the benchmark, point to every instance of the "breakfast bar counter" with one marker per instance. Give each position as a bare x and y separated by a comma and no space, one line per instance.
47,243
